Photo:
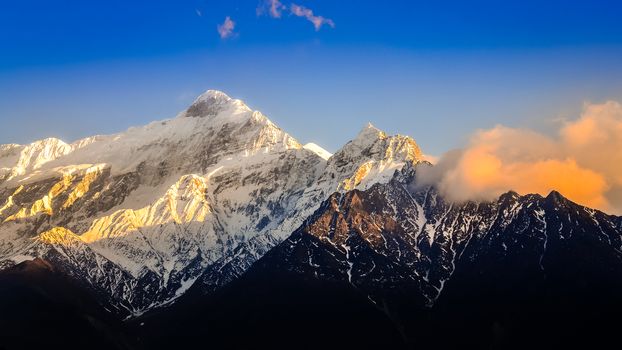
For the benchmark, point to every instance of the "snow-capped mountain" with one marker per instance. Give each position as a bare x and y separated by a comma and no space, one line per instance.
139,216
218,222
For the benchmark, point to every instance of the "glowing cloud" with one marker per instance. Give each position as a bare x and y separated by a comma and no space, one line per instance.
318,21
225,30
584,162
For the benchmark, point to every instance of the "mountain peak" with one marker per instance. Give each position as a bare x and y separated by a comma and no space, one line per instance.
213,94
371,140
370,131
368,135
211,103
556,197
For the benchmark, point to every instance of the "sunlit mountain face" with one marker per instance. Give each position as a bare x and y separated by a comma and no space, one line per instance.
140,215
217,223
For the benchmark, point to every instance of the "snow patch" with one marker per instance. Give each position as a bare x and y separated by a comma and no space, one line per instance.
324,154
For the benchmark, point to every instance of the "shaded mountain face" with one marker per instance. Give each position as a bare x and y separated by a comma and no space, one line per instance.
394,236
273,310
139,216
522,271
41,307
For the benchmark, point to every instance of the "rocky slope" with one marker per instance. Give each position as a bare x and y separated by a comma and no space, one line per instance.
519,272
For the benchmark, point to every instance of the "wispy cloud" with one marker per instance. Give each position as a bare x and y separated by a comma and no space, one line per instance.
274,8
225,30
199,13
318,21
430,158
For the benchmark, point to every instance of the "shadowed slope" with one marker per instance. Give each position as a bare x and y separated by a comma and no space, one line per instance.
40,307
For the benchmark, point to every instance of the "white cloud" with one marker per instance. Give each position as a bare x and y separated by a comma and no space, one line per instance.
318,21
274,8
225,30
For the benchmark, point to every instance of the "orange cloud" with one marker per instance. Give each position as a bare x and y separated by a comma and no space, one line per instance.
584,162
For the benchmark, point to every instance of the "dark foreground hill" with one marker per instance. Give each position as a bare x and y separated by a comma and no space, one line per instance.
42,308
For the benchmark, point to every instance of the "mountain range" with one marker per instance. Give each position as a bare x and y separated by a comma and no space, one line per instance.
218,228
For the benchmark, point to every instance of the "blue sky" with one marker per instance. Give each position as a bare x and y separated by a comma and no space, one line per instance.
435,70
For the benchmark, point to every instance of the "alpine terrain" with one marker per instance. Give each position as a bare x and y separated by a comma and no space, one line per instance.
218,228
